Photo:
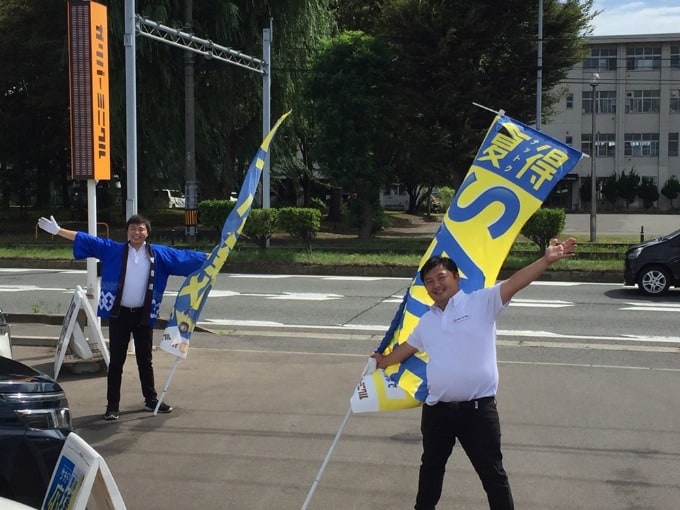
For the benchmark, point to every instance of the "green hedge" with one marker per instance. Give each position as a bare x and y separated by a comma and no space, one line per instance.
300,223
212,213
260,225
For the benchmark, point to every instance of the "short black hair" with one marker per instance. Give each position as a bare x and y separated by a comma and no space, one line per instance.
138,219
438,260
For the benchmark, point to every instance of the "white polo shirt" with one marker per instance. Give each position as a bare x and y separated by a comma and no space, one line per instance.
461,344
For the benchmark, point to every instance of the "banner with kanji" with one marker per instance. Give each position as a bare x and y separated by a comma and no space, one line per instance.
512,174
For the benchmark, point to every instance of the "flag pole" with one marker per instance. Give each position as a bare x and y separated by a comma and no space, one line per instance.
167,384
370,367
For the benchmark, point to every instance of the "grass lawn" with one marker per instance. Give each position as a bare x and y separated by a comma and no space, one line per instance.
401,245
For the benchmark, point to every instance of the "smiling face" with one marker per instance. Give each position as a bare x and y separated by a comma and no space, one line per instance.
441,284
137,234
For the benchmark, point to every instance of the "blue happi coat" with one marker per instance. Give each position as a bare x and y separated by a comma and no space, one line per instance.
168,262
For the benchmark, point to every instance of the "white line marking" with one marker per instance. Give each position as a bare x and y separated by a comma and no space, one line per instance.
320,277
542,303
28,288
548,334
306,296
651,309
500,333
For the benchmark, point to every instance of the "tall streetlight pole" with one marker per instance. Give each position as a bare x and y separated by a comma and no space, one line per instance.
593,177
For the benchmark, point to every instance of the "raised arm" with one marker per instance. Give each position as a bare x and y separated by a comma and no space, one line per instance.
523,277
51,226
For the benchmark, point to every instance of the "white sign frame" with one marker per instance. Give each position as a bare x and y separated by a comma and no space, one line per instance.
81,476
72,334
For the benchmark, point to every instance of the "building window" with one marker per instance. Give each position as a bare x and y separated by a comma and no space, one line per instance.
675,56
643,58
606,101
643,101
569,140
675,101
601,59
672,144
641,145
570,101
587,101
605,144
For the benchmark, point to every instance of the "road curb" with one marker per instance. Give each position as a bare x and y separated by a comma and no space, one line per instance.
337,270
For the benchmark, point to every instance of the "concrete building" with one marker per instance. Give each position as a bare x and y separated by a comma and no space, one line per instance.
635,80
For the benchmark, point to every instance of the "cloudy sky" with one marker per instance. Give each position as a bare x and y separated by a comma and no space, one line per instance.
621,17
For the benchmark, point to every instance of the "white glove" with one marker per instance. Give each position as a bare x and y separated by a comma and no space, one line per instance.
50,225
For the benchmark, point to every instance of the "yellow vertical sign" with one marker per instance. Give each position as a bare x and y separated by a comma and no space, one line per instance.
99,47
89,90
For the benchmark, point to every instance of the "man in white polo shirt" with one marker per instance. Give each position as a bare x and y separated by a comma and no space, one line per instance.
458,334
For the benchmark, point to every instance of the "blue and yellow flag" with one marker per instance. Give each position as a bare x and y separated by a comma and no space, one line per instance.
515,169
194,291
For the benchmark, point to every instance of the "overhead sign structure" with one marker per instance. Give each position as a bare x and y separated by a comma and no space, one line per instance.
88,45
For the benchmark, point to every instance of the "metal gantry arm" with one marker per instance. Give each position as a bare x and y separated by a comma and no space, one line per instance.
136,24
205,47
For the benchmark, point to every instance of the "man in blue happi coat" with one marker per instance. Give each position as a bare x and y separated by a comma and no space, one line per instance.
134,277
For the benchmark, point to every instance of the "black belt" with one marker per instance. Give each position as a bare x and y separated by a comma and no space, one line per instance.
132,310
468,404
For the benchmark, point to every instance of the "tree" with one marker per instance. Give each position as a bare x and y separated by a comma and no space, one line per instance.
34,116
648,192
357,14
671,189
228,98
544,225
34,129
629,184
451,54
585,190
610,189
350,94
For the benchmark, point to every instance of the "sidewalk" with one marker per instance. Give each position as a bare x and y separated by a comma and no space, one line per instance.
653,225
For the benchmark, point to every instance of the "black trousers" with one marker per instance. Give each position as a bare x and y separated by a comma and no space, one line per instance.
476,425
129,323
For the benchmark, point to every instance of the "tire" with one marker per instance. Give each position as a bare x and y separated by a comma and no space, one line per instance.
654,281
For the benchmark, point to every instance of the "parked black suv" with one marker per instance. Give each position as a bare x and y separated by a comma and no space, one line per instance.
654,265
34,421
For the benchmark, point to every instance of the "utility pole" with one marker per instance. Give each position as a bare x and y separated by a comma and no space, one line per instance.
593,176
190,185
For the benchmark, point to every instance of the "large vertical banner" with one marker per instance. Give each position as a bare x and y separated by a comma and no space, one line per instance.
515,169
194,291
88,50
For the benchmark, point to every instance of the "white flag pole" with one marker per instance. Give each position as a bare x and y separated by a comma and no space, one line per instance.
370,367
167,384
